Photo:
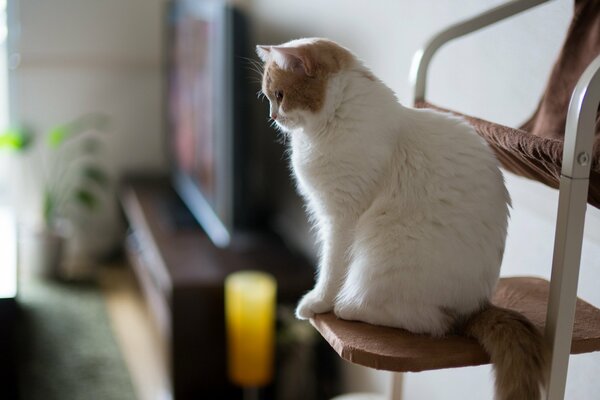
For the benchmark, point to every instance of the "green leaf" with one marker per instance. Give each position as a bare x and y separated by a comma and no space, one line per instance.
86,198
95,174
58,135
14,139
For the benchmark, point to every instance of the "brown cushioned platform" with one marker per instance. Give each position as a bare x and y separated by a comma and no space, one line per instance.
398,350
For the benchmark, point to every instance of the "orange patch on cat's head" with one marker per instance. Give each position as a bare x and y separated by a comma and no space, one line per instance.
296,73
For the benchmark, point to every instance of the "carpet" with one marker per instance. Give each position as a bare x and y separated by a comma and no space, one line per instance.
66,349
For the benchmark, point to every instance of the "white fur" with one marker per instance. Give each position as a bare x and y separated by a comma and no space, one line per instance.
409,205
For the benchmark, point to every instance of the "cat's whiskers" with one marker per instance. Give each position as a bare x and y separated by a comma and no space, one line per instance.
254,66
283,133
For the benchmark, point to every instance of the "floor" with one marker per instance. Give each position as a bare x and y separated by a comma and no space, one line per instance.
135,333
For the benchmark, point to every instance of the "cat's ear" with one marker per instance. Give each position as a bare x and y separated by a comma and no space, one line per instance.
263,52
295,59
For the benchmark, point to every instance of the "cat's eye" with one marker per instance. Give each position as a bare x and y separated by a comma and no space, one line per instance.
279,95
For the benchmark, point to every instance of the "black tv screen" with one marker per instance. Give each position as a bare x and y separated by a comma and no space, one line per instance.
208,115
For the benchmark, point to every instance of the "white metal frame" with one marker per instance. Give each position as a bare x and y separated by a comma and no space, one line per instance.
574,183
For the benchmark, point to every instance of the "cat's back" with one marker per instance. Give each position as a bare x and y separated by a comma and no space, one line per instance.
448,185
448,157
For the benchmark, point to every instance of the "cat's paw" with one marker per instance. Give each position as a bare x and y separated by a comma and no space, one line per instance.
313,303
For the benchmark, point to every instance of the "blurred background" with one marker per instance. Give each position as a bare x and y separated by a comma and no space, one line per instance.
93,102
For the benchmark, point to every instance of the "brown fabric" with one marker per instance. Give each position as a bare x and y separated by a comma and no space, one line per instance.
530,156
535,150
581,46
398,350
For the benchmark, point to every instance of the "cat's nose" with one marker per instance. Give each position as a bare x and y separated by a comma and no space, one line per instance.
273,116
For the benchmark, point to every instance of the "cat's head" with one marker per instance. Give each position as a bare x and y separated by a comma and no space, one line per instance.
297,77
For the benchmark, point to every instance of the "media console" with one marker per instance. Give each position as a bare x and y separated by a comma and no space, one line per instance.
181,274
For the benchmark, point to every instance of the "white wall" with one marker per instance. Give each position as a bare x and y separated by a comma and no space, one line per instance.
497,74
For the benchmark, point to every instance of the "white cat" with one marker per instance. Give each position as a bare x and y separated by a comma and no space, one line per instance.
409,205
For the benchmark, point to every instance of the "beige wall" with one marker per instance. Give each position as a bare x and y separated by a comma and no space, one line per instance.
80,56
497,74
90,56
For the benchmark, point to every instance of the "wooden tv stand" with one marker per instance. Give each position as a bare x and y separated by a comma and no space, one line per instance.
181,274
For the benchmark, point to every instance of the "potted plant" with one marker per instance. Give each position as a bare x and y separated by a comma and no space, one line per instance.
72,179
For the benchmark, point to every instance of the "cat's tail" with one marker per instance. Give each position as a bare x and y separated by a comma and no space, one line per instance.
516,350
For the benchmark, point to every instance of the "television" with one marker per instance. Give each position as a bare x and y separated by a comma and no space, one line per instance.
215,146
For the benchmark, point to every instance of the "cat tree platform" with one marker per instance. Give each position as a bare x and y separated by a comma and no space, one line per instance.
400,351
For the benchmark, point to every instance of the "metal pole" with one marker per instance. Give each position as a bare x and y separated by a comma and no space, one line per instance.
572,203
